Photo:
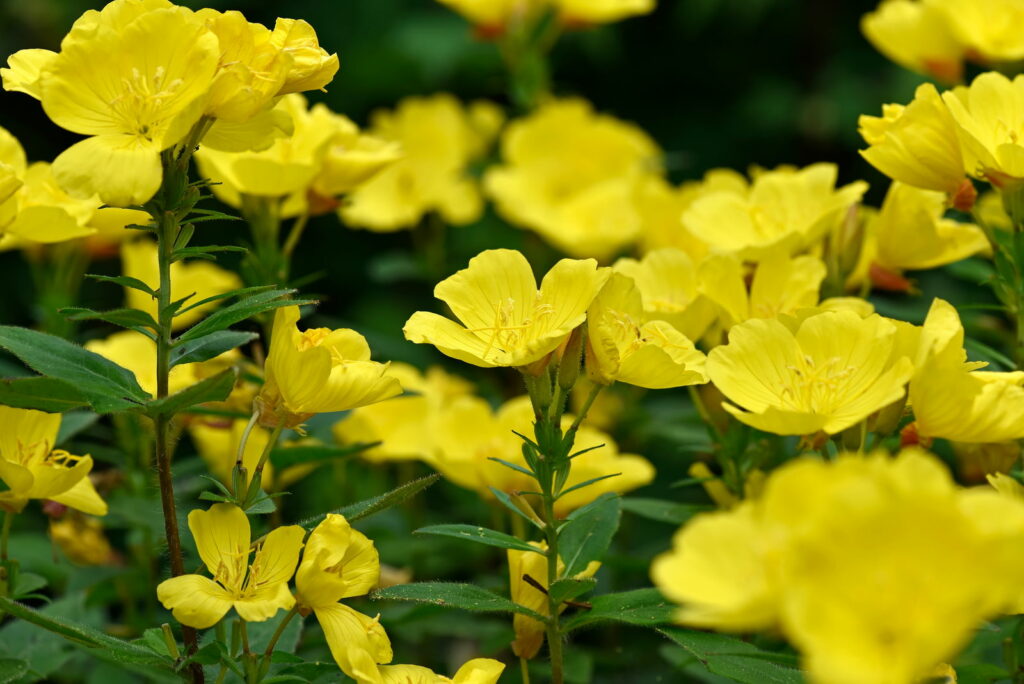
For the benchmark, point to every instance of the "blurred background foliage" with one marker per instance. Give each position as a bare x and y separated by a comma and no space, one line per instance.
716,82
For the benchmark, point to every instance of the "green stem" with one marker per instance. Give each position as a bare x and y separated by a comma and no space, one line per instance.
554,631
587,403
279,631
5,535
271,443
292,241
524,670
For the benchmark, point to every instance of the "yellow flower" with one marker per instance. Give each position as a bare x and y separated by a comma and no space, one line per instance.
476,671
506,320
624,347
574,176
32,469
669,287
340,563
601,11
988,28
861,606
780,285
82,540
493,15
910,232
661,205
917,144
218,447
319,371
325,154
469,433
439,139
312,68
201,279
987,121
530,632
134,77
951,398
787,208
256,591
916,35
832,371
405,425
12,173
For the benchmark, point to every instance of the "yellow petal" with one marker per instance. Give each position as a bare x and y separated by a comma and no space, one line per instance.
479,671
264,603
222,537
83,497
345,629
24,69
338,563
279,554
123,170
195,601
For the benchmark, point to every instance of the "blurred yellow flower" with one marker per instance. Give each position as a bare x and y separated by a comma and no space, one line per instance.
916,35
324,156
954,400
989,125
318,371
439,139
917,144
601,11
670,290
529,631
470,432
831,371
12,171
405,425
200,278
780,285
493,16
256,591
861,606
574,177
662,206
340,563
476,671
506,320
32,468
786,208
910,232
987,28
624,346
133,76
82,540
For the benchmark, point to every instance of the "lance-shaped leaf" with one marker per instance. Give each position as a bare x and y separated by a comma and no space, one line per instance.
124,281
587,533
568,588
738,660
208,346
241,310
40,393
133,319
104,384
454,595
214,388
663,511
480,535
367,507
636,607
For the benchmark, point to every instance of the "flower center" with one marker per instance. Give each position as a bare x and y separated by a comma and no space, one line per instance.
142,101
507,334
814,385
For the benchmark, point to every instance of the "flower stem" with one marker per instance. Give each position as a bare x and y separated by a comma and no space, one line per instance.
524,670
292,241
5,534
554,632
279,631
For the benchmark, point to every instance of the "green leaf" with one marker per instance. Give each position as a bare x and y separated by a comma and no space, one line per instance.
206,252
568,588
154,639
588,532
729,657
12,669
214,388
663,511
454,595
40,393
285,456
104,384
636,607
92,639
242,292
480,535
587,483
208,346
26,583
508,503
241,310
124,281
126,318
366,508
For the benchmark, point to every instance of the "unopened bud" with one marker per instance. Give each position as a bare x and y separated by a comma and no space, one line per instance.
572,359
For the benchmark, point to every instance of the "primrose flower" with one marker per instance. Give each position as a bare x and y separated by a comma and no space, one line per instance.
133,77
787,208
256,591
669,286
987,28
200,278
506,320
910,232
318,371
529,631
340,563
916,36
624,347
780,285
830,371
601,11
470,432
439,140
404,426
574,177
32,468
82,540
662,205
918,144
806,557
990,127
476,671
954,400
